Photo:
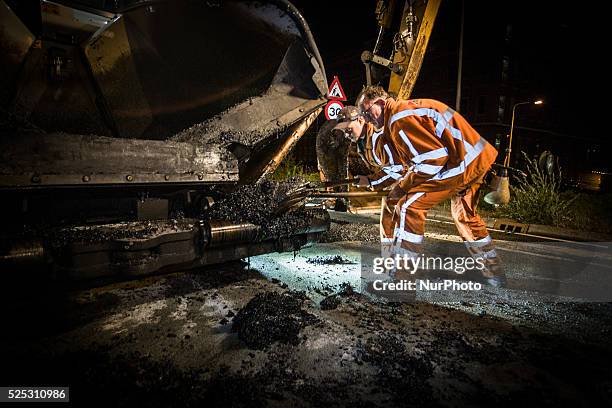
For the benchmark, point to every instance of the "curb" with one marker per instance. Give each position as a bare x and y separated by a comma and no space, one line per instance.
443,216
370,217
504,224
511,226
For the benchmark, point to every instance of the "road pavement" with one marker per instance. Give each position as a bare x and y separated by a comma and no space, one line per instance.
168,340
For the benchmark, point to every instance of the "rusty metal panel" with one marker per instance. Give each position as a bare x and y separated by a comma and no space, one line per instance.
113,67
63,159
15,42
192,64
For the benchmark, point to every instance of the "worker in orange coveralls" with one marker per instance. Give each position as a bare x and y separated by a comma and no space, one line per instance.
427,153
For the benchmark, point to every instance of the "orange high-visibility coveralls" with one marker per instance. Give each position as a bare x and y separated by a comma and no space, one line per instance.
434,154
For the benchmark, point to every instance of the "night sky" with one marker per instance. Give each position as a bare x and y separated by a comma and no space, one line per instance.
547,49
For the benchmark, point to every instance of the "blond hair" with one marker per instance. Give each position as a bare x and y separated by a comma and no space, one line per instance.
371,92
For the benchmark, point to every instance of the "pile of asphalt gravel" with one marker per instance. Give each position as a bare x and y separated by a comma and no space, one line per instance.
404,373
272,317
329,260
352,232
217,131
213,132
330,303
333,301
257,203
95,234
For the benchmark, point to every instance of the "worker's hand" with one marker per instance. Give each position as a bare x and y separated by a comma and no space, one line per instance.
396,193
362,181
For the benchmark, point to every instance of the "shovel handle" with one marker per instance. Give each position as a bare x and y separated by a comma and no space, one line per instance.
338,182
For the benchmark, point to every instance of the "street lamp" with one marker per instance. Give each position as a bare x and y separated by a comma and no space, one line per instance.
509,150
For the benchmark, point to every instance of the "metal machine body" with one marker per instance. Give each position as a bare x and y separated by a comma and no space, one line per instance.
115,114
407,47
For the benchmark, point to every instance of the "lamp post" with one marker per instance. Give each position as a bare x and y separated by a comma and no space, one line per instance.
509,151
460,62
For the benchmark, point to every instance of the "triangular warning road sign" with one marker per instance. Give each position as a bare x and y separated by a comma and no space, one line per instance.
335,91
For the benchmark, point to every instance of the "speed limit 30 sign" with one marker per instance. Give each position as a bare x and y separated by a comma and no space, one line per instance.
336,94
332,109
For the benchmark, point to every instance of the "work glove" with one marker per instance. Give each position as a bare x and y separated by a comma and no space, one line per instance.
362,181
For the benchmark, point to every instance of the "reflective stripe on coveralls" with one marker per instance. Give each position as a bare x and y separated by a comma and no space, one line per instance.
400,232
479,242
472,153
392,171
380,180
374,139
489,254
442,123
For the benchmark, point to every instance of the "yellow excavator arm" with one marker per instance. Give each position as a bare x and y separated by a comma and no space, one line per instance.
409,43
410,37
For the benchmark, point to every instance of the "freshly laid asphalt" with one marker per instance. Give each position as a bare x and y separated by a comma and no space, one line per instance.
168,340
